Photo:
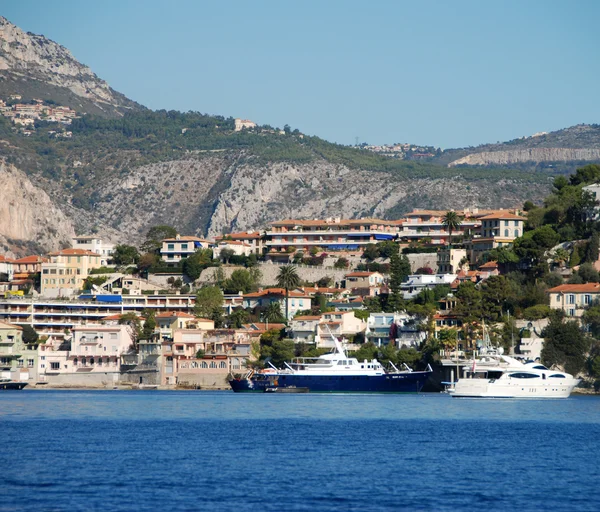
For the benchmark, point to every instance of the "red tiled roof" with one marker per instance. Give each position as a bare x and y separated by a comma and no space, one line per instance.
359,274
576,288
489,264
186,239
4,259
174,314
307,317
276,291
74,252
30,259
246,235
502,216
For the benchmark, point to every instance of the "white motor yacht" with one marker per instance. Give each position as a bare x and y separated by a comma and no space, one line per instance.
500,376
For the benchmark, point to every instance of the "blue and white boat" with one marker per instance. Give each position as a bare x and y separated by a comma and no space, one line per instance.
334,373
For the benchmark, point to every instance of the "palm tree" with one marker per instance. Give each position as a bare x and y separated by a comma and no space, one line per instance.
287,278
272,313
451,222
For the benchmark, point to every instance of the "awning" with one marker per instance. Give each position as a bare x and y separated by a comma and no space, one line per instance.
384,237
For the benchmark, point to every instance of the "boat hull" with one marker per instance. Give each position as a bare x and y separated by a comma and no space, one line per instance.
470,388
12,385
409,382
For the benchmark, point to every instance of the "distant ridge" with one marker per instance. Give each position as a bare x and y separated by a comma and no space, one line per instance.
36,67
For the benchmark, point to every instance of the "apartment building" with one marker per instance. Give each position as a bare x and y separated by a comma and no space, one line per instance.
498,229
330,234
204,357
573,299
18,360
66,271
57,318
174,250
297,301
95,245
428,224
254,239
92,356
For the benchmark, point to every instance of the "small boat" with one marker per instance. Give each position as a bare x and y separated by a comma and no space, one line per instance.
333,373
290,389
500,376
11,384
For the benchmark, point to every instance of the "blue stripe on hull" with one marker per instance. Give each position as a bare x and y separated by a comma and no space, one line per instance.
391,383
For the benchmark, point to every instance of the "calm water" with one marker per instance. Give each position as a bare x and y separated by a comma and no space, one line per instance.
153,450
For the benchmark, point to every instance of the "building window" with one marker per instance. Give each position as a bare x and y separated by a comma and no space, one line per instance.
570,299
171,247
587,299
506,233
571,312
54,366
184,246
516,233
30,363
20,363
506,222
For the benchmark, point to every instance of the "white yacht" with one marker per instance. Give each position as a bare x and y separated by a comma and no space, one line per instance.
500,376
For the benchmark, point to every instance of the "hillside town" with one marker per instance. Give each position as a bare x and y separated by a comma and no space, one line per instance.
25,115
101,315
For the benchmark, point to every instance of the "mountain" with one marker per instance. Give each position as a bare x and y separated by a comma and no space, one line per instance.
564,149
36,67
114,168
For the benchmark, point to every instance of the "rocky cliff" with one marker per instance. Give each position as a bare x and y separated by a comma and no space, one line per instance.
31,64
29,219
508,157
220,193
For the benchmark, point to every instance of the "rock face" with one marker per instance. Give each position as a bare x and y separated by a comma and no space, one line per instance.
528,155
214,194
29,220
29,56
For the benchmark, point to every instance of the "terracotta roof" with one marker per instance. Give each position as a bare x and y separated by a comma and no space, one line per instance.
489,264
276,291
74,252
307,317
246,235
332,222
30,259
360,274
233,242
576,288
502,216
4,259
186,239
174,314
261,326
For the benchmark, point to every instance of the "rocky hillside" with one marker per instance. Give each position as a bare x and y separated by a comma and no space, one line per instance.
573,145
34,66
121,168
516,156
29,220
216,194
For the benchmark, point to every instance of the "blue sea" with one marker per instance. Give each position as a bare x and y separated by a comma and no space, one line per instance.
220,451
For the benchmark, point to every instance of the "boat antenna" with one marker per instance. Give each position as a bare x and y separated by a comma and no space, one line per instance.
338,346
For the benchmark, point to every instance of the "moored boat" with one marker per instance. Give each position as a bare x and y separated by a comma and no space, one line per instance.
7,384
334,373
500,376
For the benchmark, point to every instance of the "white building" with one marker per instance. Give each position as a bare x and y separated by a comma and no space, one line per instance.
416,283
174,250
95,245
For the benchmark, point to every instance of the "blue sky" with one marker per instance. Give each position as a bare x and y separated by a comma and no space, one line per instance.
444,73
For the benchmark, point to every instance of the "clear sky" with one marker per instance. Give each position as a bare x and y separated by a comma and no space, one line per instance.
446,73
